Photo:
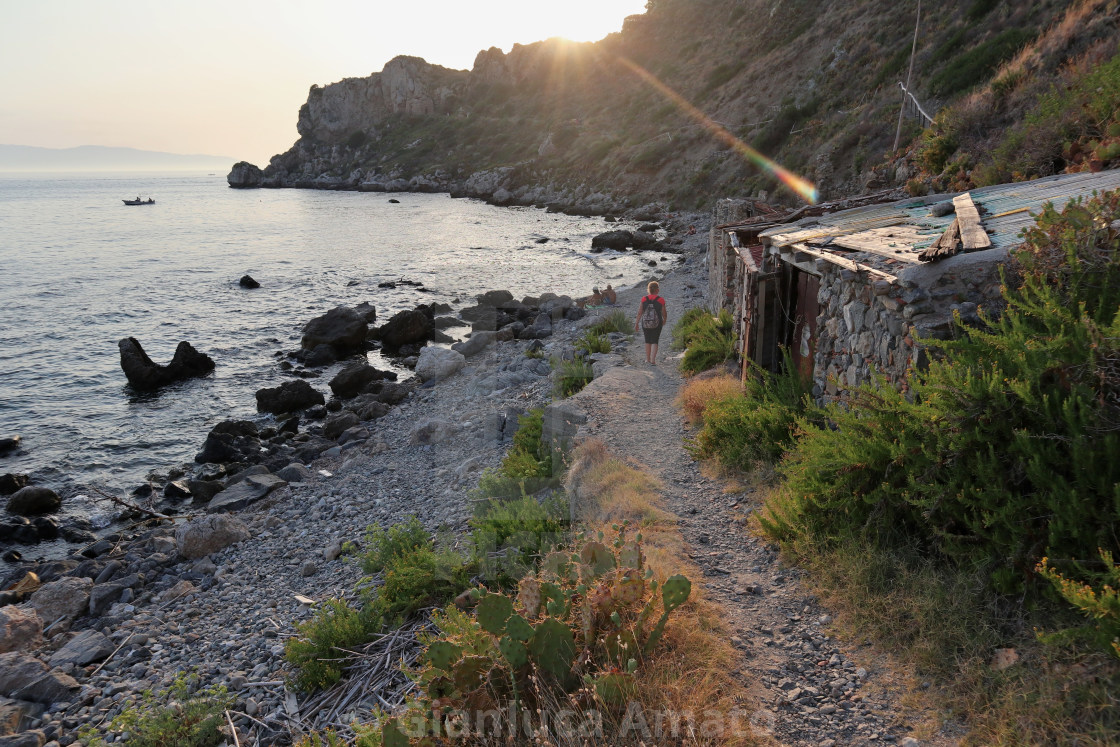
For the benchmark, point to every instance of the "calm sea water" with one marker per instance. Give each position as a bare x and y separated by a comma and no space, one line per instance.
80,270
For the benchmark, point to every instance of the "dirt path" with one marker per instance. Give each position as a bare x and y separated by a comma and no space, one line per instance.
812,688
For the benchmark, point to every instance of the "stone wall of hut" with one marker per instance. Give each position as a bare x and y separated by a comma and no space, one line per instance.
867,324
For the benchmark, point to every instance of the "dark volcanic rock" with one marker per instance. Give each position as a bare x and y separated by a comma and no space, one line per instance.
230,441
354,378
321,355
406,327
24,677
617,240
290,396
9,443
143,373
33,500
343,328
367,310
244,175
248,491
496,298
247,282
10,483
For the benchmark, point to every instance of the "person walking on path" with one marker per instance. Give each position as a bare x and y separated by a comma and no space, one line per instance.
651,318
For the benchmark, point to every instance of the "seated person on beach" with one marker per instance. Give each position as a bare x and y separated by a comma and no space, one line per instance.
609,296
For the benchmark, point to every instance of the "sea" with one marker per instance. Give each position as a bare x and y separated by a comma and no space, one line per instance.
79,271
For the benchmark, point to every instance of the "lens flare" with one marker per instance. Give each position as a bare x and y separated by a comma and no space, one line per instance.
803,188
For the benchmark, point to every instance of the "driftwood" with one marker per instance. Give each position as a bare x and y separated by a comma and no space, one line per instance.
948,244
373,679
973,235
132,506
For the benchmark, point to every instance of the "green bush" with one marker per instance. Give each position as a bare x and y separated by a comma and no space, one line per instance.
181,715
1098,600
616,321
689,325
510,536
976,65
592,343
571,376
710,342
386,545
1004,451
758,426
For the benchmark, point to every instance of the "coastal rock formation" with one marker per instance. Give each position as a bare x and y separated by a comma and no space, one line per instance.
208,534
19,628
244,175
436,364
343,328
406,328
33,501
144,374
247,281
25,677
229,441
10,483
9,443
244,493
291,396
353,379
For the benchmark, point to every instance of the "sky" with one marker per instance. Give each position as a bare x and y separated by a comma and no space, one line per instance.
227,77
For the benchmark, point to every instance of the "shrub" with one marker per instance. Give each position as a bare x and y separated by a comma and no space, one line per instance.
1004,452
386,545
700,391
571,376
688,326
710,343
976,65
592,343
616,321
510,536
1101,604
179,715
757,426
316,650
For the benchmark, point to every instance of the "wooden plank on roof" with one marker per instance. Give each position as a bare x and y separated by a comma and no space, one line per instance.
847,264
946,246
973,236
897,242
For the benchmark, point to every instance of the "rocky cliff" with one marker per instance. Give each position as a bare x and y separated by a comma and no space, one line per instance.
599,127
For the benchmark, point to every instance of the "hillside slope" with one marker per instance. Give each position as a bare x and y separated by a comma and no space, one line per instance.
812,85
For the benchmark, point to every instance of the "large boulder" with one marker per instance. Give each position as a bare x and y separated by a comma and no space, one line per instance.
229,441
145,374
248,491
406,328
10,483
475,344
66,597
19,628
355,377
9,444
26,678
436,364
337,424
33,501
617,240
290,396
86,647
498,298
343,328
244,175
208,534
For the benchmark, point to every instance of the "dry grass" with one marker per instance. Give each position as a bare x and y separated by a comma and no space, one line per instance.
700,390
693,671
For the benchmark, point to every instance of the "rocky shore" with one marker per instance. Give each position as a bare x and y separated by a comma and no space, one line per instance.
252,534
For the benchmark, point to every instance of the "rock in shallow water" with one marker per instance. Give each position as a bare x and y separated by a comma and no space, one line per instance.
143,373
33,501
291,396
343,328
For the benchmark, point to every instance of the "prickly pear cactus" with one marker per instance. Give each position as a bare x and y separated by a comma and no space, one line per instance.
553,648
675,591
614,688
519,628
529,592
586,618
556,564
514,651
630,556
598,556
470,673
493,611
629,588
443,655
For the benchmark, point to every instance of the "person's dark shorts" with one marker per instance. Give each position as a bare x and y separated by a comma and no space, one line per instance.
652,335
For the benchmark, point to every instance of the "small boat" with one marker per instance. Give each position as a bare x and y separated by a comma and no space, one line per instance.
139,201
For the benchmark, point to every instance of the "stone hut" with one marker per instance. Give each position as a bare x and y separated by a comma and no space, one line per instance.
858,289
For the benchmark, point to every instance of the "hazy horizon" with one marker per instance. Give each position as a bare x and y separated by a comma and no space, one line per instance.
15,159
220,77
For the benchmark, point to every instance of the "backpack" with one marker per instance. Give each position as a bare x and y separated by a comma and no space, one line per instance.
651,313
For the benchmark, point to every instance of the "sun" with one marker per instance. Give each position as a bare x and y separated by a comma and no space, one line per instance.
583,20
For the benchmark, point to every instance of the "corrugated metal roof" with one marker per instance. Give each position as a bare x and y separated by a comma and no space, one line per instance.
897,232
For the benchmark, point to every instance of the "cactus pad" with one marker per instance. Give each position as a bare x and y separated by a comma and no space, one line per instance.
515,652
615,688
529,592
440,687
598,556
493,611
556,564
630,556
553,648
470,673
443,655
517,627
675,591
629,588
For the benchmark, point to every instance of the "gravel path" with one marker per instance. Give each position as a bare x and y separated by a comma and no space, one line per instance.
813,689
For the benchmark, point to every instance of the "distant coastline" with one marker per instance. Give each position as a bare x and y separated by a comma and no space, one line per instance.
97,158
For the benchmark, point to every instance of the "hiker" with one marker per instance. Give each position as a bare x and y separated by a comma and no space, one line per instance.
651,318
609,296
